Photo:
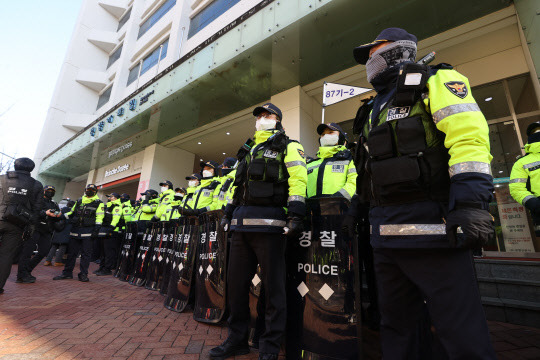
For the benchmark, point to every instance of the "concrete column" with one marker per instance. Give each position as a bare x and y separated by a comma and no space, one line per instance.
162,163
529,18
300,117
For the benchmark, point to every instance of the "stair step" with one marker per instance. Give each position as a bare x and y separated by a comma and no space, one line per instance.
508,269
518,312
521,290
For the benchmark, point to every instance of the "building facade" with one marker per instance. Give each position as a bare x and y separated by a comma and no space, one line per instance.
150,87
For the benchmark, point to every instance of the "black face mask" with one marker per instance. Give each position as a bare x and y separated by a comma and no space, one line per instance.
49,194
90,193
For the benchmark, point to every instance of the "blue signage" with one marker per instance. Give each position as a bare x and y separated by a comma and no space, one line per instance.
93,131
132,104
120,111
101,125
110,119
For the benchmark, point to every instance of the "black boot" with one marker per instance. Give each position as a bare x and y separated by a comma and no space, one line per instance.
62,277
27,279
104,272
229,348
83,278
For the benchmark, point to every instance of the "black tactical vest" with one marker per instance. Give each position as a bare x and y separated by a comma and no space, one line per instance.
263,174
17,194
407,159
85,214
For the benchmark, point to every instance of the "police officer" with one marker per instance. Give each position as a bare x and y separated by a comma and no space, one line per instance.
429,169
205,196
333,165
108,217
227,188
84,229
20,203
524,178
47,216
268,202
166,197
147,209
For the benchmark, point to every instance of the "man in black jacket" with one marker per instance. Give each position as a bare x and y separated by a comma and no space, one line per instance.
20,202
47,220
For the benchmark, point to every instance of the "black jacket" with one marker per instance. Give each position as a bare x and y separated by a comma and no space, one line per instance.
21,190
45,224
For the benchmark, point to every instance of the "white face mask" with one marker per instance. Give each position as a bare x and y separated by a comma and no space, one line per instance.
192,183
164,188
143,197
179,195
263,123
329,139
207,173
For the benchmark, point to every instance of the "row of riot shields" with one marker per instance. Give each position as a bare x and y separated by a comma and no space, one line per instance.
186,261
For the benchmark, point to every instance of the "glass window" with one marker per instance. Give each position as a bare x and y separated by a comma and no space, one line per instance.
154,18
150,61
123,20
504,148
209,14
114,56
104,98
492,100
133,73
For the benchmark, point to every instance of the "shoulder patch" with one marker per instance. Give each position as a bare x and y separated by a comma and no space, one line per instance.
458,88
301,152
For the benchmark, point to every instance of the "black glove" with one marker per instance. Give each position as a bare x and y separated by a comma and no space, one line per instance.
154,219
190,212
95,232
534,206
225,223
294,226
348,226
477,225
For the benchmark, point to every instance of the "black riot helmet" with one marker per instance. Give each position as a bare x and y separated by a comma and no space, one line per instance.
91,190
532,127
24,164
124,197
151,194
49,191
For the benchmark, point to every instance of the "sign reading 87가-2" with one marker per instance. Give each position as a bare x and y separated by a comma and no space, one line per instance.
334,93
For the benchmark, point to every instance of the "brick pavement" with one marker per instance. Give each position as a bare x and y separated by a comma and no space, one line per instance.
106,318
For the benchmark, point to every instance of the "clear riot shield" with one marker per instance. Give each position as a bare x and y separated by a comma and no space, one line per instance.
144,254
180,283
211,267
128,252
170,231
323,265
154,273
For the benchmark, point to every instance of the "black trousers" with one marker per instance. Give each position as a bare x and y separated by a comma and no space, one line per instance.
248,250
110,250
10,240
27,263
78,245
445,279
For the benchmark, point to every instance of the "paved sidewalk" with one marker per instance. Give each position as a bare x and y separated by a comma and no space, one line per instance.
106,318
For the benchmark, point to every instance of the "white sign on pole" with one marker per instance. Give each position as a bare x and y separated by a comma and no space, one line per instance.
334,93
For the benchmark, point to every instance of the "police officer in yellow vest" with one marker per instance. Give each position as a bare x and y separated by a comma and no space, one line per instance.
127,211
147,209
429,168
270,196
166,197
108,216
333,172
83,217
226,190
525,177
205,196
